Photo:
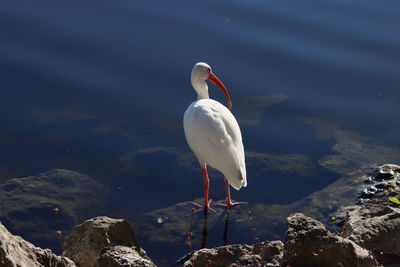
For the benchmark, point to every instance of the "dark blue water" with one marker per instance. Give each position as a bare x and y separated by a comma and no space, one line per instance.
100,87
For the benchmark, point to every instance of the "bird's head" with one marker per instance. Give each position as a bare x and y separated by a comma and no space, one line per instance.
202,72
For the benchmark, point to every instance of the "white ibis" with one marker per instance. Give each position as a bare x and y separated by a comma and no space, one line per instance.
214,136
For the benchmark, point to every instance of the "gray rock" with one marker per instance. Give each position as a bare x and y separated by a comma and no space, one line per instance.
309,243
88,241
15,251
375,223
38,206
260,254
123,256
271,252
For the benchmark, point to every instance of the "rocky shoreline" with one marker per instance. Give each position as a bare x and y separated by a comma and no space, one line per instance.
366,234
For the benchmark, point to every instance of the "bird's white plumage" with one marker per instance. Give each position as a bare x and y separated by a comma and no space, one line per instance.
213,134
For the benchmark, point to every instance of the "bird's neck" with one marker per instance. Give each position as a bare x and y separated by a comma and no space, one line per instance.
200,86
202,95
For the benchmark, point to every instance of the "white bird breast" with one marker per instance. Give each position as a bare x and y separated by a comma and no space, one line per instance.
214,136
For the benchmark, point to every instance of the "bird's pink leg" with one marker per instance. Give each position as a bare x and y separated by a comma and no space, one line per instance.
206,186
229,203
207,202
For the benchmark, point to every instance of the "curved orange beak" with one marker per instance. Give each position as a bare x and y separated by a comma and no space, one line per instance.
212,78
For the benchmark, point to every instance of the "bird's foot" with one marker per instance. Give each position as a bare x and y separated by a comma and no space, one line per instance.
230,204
197,207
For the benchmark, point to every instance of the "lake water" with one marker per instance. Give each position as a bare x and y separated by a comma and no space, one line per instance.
100,87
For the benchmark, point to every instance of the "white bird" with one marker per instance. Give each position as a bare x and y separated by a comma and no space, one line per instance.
214,136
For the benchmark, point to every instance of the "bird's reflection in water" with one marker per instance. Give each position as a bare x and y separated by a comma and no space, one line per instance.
203,243
205,230
225,235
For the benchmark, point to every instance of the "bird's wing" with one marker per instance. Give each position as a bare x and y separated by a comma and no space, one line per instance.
224,124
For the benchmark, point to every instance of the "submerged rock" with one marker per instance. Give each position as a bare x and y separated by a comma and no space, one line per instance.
260,254
44,206
15,251
309,243
103,240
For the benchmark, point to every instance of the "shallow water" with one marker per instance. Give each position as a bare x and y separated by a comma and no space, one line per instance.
100,87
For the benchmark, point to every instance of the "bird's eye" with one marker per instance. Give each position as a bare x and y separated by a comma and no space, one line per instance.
208,70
